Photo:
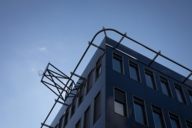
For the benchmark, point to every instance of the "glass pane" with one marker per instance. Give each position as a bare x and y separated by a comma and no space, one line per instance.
133,73
190,97
117,64
119,108
139,113
165,89
87,118
174,123
149,80
179,95
157,120
97,108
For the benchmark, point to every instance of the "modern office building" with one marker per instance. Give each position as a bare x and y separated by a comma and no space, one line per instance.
121,88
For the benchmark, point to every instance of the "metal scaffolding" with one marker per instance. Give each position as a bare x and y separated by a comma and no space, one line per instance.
63,86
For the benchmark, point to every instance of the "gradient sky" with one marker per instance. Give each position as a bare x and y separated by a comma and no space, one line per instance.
35,32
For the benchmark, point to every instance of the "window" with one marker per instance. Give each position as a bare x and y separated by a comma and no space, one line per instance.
87,118
89,80
179,93
98,68
174,121
81,93
158,118
134,71
97,107
139,111
190,96
73,107
165,86
150,80
189,124
57,126
61,122
120,102
66,117
117,63
78,124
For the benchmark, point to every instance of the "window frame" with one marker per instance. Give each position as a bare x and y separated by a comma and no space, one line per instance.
158,110
135,65
88,110
162,78
174,117
151,73
118,57
178,87
124,104
143,104
96,118
98,68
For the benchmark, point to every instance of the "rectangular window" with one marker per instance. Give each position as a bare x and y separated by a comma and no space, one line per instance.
134,71
158,118
165,86
73,107
89,80
174,121
179,94
78,124
150,80
66,117
190,96
139,111
81,92
120,102
87,118
98,68
97,107
189,124
117,63
61,122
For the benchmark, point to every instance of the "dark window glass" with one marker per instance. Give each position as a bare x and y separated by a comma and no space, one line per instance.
78,124
165,87
139,111
150,80
97,107
73,108
98,67
66,118
117,63
57,126
189,124
61,122
174,121
89,80
134,71
87,118
81,92
120,102
179,94
190,96
158,118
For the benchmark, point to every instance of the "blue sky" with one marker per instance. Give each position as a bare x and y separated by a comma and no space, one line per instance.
35,32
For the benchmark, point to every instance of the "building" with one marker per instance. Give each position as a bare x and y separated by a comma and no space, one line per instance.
121,88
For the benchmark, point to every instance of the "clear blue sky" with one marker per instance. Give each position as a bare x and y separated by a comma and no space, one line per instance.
35,32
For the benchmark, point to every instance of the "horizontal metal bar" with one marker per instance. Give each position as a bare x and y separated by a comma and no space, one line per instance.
97,46
43,124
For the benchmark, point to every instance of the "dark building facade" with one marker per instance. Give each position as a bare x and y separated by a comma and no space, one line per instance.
121,88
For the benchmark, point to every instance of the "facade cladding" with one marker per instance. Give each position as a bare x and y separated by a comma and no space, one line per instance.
122,91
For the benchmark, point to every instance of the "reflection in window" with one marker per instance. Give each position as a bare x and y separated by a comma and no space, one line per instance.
139,111
165,86
117,63
150,80
120,102
134,71
179,93
158,118
174,121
